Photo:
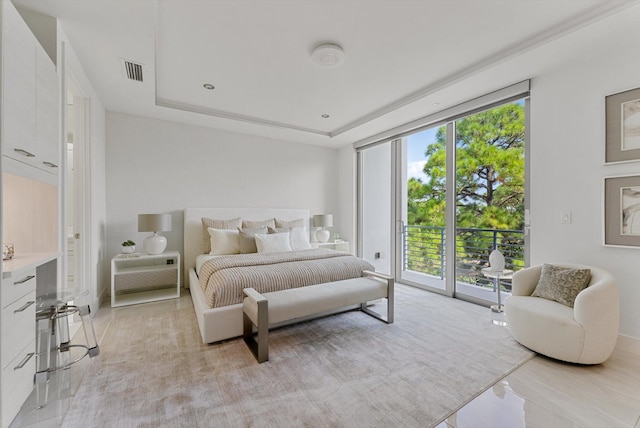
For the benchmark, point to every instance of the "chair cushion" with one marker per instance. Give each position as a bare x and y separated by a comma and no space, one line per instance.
561,284
545,326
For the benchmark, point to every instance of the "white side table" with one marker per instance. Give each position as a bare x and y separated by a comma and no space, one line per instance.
333,245
498,309
144,278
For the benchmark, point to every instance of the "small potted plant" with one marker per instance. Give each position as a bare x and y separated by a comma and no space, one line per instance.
128,246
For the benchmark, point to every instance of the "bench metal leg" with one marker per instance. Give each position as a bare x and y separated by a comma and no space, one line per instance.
260,347
390,293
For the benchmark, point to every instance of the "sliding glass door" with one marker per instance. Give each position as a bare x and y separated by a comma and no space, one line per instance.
435,202
489,197
422,243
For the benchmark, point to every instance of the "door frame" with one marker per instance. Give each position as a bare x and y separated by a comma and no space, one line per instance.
82,192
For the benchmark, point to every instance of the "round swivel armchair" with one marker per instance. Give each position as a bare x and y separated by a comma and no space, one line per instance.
585,333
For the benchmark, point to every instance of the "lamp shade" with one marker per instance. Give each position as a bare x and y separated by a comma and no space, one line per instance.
323,220
154,222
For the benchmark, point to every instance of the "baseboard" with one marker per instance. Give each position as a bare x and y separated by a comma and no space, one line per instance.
628,343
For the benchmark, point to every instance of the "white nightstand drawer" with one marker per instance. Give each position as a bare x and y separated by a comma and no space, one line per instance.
17,382
18,284
18,327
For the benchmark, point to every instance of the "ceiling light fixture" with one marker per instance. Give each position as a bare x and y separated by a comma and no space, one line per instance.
209,86
328,55
325,116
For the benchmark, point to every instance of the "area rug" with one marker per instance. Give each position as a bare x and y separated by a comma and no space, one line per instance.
339,371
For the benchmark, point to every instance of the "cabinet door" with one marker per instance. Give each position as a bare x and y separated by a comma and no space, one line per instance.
17,382
19,86
47,149
18,323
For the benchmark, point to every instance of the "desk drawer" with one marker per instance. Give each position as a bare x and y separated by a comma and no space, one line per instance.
17,382
18,327
20,283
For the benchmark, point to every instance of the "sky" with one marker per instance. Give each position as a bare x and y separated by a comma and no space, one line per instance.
416,146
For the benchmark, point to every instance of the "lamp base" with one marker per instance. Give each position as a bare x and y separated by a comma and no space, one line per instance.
155,244
323,235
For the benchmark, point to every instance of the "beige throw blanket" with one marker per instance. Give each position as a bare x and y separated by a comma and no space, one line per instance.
223,278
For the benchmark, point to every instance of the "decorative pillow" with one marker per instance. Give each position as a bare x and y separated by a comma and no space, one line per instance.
273,243
254,224
247,240
299,239
290,223
561,284
232,224
223,241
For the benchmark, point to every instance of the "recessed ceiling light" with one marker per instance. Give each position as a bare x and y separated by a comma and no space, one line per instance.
328,55
325,116
209,86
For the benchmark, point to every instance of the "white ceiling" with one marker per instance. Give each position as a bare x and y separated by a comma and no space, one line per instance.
404,59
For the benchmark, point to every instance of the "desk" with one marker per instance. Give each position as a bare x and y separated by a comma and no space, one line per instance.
498,309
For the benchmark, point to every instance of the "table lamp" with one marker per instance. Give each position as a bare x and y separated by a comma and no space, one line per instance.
323,221
154,244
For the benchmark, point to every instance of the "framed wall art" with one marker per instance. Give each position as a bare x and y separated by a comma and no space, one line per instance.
622,113
622,211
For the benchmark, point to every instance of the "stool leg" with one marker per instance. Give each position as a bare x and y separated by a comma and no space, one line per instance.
92,342
63,329
44,327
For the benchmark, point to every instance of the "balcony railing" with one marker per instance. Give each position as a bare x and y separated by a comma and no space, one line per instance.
424,251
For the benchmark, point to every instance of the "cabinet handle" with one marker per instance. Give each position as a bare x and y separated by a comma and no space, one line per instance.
22,281
23,307
25,153
49,164
24,361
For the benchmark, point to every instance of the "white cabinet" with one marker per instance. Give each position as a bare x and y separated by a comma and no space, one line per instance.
17,340
144,278
29,96
18,86
47,147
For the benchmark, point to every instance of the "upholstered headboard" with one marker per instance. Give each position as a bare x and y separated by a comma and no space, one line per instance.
193,226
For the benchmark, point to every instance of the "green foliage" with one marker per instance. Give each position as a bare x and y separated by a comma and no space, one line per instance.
128,243
489,193
489,173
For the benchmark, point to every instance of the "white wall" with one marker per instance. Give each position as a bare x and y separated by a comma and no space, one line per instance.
156,166
376,207
347,194
567,156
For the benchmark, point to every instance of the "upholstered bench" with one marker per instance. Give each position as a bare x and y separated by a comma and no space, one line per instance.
263,311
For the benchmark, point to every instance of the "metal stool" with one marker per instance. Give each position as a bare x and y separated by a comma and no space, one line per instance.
52,323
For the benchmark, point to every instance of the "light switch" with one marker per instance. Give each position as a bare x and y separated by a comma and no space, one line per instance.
565,217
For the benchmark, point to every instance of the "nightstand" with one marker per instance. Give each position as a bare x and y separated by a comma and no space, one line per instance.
144,278
333,245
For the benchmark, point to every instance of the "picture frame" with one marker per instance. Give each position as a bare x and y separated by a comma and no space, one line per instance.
622,211
622,118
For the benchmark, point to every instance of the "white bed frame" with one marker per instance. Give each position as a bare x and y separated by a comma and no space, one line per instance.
225,322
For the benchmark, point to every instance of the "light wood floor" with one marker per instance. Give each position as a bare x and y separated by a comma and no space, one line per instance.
541,393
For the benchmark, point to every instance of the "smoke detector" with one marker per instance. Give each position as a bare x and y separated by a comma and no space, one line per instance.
328,55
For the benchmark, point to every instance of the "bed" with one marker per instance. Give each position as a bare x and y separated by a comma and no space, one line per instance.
219,313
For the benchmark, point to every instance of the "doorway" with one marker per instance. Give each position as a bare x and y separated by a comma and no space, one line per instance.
75,187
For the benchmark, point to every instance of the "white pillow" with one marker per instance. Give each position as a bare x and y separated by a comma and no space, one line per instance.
224,241
300,238
273,243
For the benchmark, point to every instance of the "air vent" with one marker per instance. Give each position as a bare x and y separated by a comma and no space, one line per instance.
132,70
